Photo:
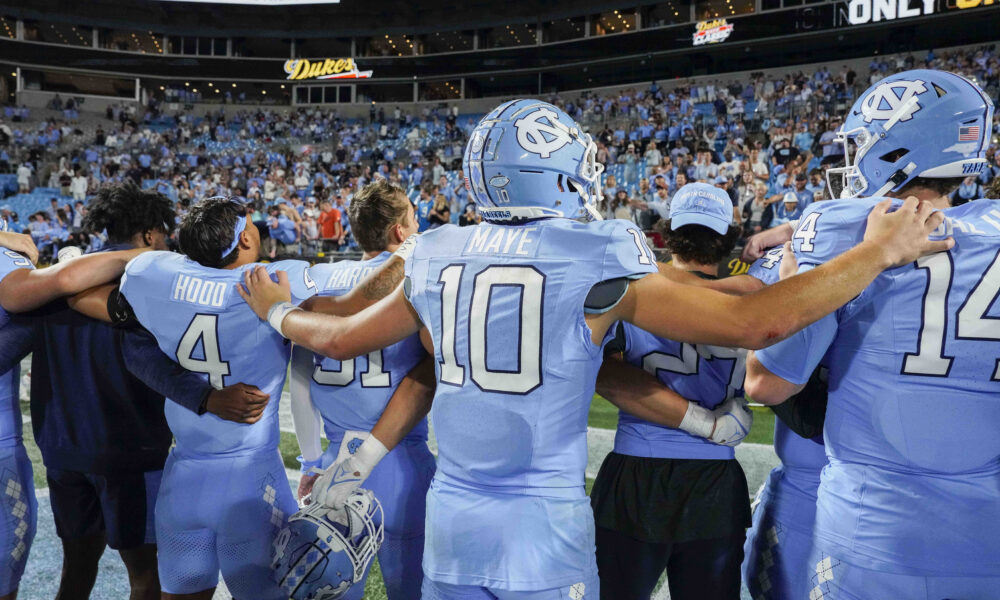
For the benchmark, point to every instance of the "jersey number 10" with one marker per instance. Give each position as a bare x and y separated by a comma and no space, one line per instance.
531,284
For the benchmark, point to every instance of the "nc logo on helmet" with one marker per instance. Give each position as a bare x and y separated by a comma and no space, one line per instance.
539,137
883,102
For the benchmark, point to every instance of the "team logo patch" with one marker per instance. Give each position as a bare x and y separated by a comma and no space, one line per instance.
353,445
540,137
499,181
889,97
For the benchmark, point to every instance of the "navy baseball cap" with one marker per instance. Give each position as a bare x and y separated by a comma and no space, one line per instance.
701,204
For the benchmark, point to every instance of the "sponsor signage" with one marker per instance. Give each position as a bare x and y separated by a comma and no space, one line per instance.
331,68
712,32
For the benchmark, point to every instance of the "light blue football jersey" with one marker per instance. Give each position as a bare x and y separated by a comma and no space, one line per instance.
516,366
201,322
794,483
911,425
708,375
351,395
10,412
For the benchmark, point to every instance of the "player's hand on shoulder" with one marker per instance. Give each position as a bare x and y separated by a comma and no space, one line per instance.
759,243
261,293
240,403
903,234
20,243
733,419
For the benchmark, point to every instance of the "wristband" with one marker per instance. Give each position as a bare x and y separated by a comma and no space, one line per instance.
277,313
406,248
369,454
309,465
698,420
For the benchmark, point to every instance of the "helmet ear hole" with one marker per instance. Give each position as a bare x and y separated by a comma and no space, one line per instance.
895,155
571,185
559,182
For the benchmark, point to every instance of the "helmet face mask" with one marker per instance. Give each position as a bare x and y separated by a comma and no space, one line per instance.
323,552
919,123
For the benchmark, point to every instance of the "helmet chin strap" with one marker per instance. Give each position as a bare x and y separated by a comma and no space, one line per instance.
899,177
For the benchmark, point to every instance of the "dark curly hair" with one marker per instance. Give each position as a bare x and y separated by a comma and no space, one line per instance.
207,230
697,243
124,210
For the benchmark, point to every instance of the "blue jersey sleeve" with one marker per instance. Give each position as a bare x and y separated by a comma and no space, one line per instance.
794,359
132,279
766,268
627,253
11,261
302,285
830,228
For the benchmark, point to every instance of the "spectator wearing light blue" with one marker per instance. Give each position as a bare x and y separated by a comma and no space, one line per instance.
787,211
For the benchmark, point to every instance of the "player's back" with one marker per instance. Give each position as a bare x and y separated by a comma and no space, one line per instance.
915,399
10,413
352,394
201,322
516,364
705,374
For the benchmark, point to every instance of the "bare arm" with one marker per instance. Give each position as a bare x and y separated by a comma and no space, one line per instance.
759,243
25,289
638,393
785,307
21,243
377,285
387,322
409,404
93,302
766,387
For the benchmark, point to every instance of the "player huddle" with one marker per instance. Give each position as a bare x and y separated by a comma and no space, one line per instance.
880,338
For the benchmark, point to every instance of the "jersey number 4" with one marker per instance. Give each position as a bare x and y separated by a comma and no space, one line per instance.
972,323
204,328
531,284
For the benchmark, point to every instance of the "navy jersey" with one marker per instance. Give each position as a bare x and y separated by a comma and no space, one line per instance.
200,321
515,362
708,375
10,413
914,406
352,394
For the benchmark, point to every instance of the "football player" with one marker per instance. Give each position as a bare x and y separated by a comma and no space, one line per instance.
777,548
22,288
907,505
665,499
347,397
224,493
517,310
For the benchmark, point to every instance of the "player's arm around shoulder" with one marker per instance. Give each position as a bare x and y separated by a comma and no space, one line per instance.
690,314
27,289
382,324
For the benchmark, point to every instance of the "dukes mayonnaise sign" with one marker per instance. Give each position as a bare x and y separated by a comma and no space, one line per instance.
330,68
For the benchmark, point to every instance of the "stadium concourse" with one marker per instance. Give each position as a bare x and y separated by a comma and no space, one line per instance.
41,578
761,137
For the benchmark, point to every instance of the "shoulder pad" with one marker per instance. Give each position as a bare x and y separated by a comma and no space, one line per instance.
830,228
605,295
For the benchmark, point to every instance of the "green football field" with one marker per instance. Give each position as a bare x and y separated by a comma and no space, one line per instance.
602,416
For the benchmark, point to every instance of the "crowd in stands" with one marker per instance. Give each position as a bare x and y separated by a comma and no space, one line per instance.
765,139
